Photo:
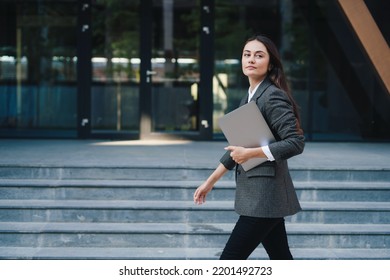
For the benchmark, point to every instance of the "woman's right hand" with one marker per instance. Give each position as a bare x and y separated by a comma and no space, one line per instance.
201,193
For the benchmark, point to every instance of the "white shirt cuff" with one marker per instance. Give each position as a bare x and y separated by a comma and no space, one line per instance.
268,153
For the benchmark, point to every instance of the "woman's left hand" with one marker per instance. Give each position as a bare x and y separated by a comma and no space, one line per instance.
238,154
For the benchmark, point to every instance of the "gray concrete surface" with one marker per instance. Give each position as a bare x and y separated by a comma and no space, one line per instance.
179,154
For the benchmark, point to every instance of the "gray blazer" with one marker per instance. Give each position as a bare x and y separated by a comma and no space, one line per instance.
267,190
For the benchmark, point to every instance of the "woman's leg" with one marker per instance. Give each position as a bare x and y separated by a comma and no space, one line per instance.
276,243
248,233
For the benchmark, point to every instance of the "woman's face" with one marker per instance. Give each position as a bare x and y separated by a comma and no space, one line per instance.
255,60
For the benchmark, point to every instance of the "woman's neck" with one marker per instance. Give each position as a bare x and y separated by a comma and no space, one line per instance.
253,83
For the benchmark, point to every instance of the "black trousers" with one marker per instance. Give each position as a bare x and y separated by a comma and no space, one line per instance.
249,232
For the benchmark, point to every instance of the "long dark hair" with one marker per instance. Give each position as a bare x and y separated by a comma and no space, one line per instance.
276,73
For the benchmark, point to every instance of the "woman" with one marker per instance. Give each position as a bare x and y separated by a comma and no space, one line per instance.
264,194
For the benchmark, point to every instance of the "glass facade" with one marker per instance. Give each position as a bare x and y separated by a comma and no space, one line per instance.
115,66
172,67
175,66
38,68
340,96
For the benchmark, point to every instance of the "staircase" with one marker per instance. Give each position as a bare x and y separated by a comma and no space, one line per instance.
83,212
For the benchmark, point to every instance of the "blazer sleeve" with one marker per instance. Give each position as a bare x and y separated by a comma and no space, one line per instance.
278,111
227,161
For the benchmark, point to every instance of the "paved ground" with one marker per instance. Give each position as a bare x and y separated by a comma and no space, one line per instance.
178,154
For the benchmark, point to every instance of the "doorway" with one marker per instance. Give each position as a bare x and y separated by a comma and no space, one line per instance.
147,59
176,69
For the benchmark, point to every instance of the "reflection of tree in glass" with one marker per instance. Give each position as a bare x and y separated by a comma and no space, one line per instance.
115,34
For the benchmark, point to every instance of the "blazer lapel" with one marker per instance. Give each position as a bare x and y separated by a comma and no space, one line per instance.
263,86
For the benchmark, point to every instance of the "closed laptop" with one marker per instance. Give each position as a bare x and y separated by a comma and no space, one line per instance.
246,127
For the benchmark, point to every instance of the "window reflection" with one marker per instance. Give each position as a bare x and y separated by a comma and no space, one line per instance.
115,66
38,66
175,66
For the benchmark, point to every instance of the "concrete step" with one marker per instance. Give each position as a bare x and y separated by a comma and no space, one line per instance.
84,200
180,190
102,172
31,171
158,253
183,235
71,211
133,211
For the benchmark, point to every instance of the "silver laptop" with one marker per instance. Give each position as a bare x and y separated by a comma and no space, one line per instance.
247,128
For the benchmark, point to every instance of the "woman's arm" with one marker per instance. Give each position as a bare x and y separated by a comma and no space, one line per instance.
202,191
279,113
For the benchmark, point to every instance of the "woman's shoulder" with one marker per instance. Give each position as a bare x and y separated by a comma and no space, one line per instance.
273,93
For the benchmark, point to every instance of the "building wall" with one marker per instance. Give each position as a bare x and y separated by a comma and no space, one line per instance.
341,94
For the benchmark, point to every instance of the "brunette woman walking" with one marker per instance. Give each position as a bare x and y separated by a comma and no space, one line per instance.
265,195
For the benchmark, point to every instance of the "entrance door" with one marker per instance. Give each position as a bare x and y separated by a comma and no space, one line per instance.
152,68
176,74
115,60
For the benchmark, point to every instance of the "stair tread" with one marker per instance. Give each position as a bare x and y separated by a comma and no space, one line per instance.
312,184
142,253
187,228
99,183
179,204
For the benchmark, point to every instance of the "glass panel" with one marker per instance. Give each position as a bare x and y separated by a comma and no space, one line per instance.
242,17
175,66
38,68
344,99
115,66
339,95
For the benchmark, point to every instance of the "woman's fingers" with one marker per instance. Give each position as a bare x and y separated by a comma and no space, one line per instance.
237,153
199,196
